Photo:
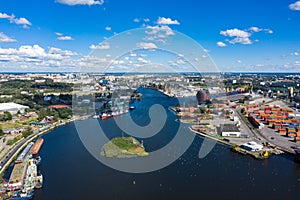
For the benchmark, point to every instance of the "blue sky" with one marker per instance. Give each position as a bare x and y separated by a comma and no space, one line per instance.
239,35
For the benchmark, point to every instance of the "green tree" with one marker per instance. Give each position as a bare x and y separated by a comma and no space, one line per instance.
8,114
202,109
28,131
1,131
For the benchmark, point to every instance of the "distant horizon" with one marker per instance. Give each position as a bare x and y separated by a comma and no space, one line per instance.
63,35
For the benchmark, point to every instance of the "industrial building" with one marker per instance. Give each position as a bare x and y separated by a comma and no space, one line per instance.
13,108
202,96
230,130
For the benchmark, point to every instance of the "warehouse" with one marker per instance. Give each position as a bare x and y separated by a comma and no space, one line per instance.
13,108
230,130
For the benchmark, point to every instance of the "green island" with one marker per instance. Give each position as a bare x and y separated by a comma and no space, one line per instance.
123,147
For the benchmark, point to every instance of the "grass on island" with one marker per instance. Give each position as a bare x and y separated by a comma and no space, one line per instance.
125,143
123,147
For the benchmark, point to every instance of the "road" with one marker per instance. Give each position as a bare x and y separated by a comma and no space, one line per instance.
15,149
266,137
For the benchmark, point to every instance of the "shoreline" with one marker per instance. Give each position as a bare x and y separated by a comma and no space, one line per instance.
8,163
255,154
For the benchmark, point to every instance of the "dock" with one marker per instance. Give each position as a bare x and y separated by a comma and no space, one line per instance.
37,146
24,153
16,180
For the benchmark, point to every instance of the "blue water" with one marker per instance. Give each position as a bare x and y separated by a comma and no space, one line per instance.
70,172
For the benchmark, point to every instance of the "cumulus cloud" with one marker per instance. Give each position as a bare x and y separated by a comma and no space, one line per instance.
221,44
102,46
235,33
136,20
243,36
108,28
12,19
4,16
35,57
5,38
23,21
295,6
147,45
165,30
167,21
81,2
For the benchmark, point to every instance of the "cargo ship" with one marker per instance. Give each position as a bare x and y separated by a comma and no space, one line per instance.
24,153
105,116
37,146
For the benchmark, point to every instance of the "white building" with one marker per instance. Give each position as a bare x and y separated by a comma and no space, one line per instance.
230,130
13,108
252,146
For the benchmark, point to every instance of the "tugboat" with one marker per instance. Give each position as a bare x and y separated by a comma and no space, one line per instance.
37,161
39,181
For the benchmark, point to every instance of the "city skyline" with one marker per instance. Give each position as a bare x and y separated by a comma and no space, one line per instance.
58,35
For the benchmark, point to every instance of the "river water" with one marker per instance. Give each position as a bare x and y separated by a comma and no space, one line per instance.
70,172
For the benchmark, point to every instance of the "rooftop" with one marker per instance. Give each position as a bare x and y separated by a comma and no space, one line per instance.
229,128
11,106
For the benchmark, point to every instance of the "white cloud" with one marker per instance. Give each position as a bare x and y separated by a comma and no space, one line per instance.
12,19
65,38
146,20
36,57
147,45
108,28
255,29
235,33
23,21
295,6
54,50
243,36
5,38
102,46
295,53
81,2
240,40
221,44
59,34
167,21
4,16
166,30
136,20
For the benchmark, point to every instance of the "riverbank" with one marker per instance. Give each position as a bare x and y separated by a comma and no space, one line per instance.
235,147
30,139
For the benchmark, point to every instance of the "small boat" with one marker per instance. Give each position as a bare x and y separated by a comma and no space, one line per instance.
38,160
131,108
105,116
23,195
262,155
39,181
